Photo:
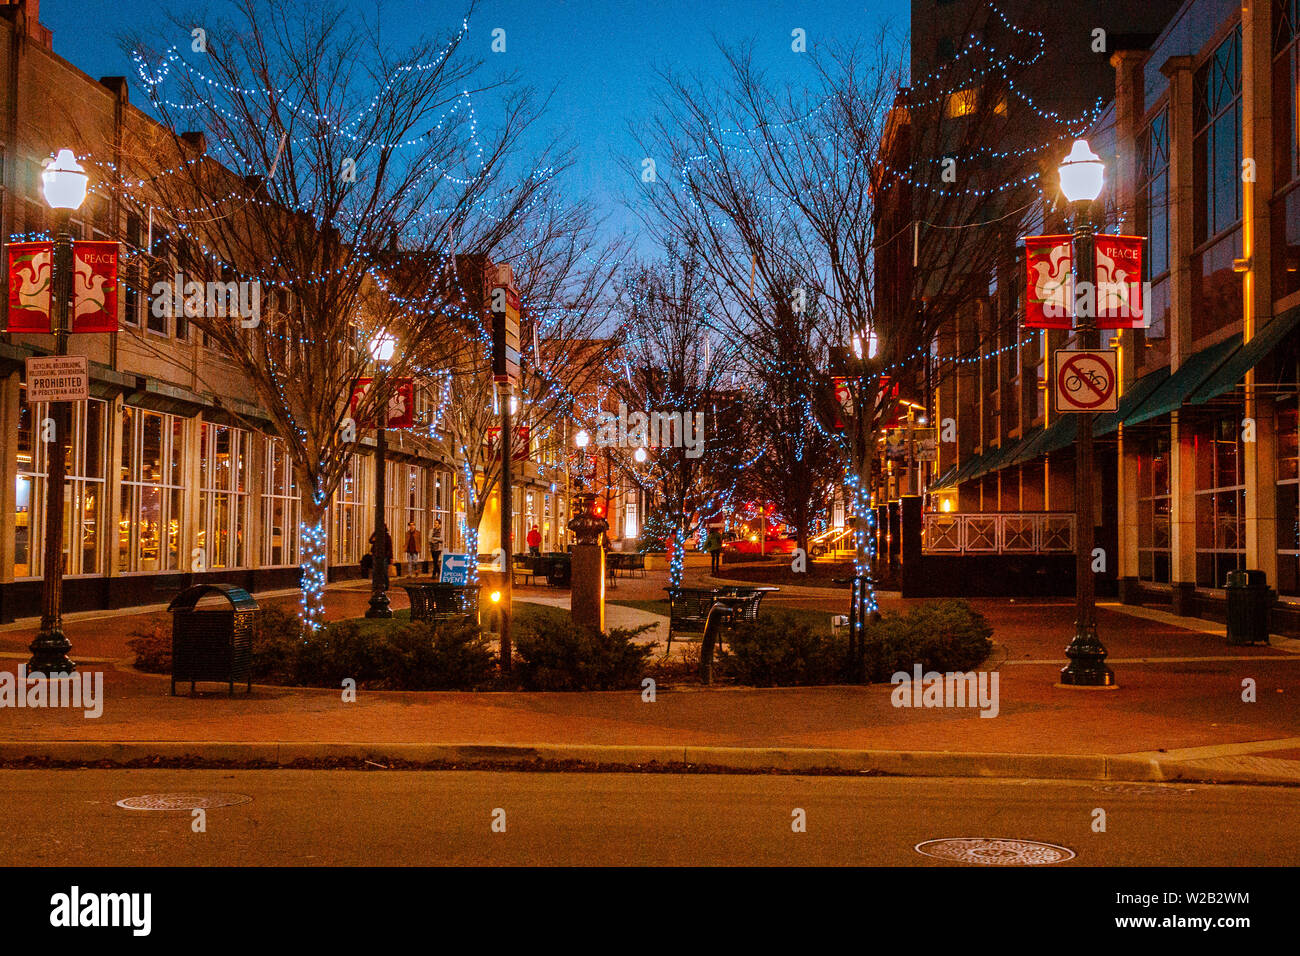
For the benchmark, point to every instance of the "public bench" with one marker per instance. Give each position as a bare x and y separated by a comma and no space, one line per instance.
688,608
436,601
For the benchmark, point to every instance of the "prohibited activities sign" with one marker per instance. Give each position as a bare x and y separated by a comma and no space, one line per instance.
1086,380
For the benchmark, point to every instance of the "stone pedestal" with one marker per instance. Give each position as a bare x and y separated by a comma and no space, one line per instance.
587,601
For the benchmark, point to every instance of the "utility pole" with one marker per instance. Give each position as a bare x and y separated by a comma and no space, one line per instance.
507,521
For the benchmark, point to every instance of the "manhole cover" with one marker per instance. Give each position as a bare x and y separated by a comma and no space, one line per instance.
994,852
183,801
1142,790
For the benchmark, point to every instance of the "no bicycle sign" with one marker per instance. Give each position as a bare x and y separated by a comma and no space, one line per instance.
1086,380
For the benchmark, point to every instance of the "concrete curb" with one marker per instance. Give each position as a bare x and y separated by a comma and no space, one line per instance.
613,758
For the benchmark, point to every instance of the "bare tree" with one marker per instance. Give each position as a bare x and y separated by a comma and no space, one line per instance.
301,152
676,365
890,205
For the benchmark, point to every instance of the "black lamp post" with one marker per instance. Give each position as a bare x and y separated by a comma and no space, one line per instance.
382,347
64,183
1082,173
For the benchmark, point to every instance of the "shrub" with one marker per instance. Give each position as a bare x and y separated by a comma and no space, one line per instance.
556,654
417,655
391,656
152,644
782,649
939,635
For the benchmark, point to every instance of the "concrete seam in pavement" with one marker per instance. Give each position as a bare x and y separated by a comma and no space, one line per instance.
614,758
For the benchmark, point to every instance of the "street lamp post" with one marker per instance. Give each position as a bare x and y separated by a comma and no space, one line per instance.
64,184
382,347
1082,174
587,578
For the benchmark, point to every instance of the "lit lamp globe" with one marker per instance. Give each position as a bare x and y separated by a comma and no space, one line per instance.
582,439
1082,173
382,347
64,181
640,456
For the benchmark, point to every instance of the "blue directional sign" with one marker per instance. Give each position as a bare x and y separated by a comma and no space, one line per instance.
455,569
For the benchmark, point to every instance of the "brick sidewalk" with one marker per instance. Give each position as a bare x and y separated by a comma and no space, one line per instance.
1180,689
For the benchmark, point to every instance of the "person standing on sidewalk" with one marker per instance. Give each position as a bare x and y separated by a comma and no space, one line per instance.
412,548
435,549
713,545
383,550
534,541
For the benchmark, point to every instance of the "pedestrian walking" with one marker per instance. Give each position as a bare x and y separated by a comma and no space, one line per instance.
413,548
382,549
534,541
435,549
713,545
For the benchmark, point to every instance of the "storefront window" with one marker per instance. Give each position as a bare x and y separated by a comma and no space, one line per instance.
223,502
1153,510
1288,496
350,513
151,497
441,507
1220,502
83,489
280,507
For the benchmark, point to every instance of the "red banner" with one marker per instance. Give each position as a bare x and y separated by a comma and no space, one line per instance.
94,301
1049,297
518,446
1120,304
401,400
31,264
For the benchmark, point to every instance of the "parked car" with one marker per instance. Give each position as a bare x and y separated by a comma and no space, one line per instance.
775,544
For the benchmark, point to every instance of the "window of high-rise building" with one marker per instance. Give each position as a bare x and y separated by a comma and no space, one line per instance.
1153,217
1286,120
1216,145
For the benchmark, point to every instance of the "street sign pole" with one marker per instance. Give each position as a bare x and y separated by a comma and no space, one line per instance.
1087,655
505,369
50,647
507,520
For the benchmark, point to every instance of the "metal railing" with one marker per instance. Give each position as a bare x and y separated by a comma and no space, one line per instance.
1028,532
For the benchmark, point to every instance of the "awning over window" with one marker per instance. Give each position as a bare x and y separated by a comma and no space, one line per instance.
1007,455
965,470
1132,399
1176,389
944,480
1233,371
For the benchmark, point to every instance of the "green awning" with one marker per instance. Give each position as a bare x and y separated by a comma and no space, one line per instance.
944,480
1133,397
1056,436
1169,397
1007,455
966,469
1060,434
1234,370
989,461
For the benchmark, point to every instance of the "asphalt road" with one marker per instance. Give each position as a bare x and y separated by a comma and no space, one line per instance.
297,818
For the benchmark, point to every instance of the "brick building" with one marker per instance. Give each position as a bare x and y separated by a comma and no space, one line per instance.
1198,468
163,465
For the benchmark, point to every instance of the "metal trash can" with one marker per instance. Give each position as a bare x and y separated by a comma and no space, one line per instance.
1249,600
213,643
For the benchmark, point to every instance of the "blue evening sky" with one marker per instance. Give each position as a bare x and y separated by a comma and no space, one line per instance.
599,56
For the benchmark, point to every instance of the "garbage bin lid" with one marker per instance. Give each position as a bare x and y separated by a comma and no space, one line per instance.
239,598
1246,579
